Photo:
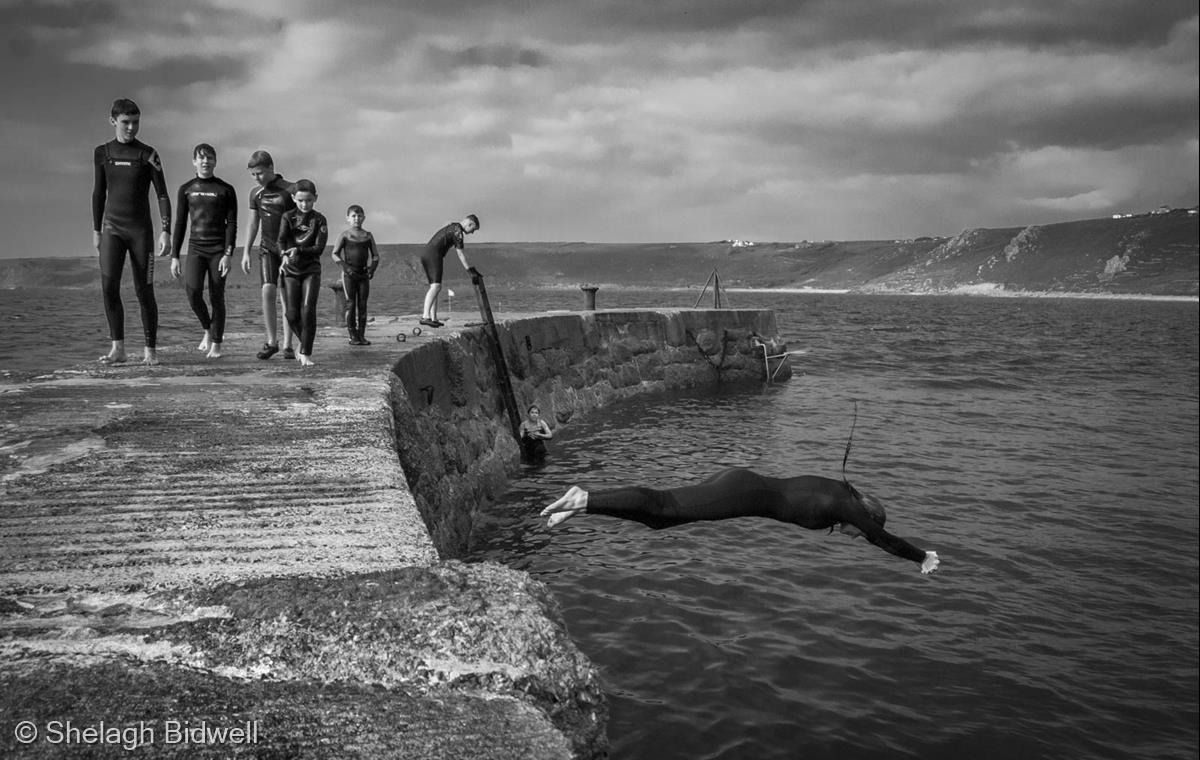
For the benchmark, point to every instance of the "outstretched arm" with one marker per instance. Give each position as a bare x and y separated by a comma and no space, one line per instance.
890,543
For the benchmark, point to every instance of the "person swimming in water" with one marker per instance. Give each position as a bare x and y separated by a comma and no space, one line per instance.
533,434
808,501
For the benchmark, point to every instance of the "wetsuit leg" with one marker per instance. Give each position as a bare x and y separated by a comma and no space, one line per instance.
216,294
141,261
293,294
195,269
432,264
350,290
729,493
364,291
310,288
112,265
268,263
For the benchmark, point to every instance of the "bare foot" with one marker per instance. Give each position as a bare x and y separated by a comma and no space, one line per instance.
573,502
206,343
214,351
306,361
113,357
151,358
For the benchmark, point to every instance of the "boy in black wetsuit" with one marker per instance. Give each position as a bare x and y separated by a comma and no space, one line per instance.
302,235
450,236
355,252
270,199
808,501
125,170
210,204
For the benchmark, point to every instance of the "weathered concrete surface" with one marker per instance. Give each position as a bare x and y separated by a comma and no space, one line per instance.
454,438
174,545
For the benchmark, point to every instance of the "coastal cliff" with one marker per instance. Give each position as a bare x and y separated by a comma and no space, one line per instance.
1148,254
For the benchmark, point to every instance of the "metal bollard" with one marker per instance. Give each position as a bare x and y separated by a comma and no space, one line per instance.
589,296
339,302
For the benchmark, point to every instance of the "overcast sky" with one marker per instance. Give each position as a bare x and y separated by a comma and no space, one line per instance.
618,120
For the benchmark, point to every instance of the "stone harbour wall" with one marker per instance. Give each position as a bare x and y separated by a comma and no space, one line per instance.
454,435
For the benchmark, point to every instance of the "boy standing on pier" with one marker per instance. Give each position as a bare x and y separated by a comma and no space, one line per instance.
125,170
355,252
210,205
269,201
450,236
302,235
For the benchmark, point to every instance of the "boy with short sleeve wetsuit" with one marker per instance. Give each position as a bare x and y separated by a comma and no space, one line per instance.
303,232
209,204
270,199
125,169
450,236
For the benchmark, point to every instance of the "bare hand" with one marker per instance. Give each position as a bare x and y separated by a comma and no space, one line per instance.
246,263
164,243
96,241
570,504
223,266
930,563
175,268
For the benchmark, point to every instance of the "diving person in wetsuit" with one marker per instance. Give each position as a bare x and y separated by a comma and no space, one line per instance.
355,252
125,170
808,501
210,205
450,236
302,235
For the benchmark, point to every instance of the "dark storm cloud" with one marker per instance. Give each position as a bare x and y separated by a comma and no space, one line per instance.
500,56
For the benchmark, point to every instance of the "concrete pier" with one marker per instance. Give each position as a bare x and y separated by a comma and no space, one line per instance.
231,546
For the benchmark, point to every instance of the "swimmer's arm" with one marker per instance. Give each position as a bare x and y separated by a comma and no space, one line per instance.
180,224
896,545
159,180
251,234
547,433
285,239
374,254
99,197
316,245
462,256
337,249
231,221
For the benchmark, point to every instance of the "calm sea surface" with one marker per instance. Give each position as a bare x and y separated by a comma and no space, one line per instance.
1045,448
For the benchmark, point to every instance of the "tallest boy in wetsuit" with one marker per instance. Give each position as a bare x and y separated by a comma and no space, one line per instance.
269,201
125,170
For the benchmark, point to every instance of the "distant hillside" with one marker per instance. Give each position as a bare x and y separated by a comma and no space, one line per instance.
1150,254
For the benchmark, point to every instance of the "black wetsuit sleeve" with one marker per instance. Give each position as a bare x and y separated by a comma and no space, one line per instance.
284,237
99,189
313,246
859,517
374,252
160,188
181,205
231,219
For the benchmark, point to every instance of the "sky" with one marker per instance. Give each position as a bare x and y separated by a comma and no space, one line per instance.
617,120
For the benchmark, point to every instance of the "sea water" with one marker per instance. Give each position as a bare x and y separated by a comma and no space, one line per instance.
1045,448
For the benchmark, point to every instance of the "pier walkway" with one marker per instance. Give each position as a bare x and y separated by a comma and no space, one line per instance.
137,506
